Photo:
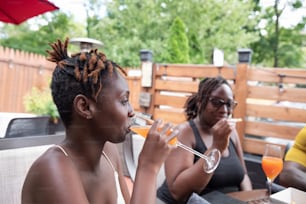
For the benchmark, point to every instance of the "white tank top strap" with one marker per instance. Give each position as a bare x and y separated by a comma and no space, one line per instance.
109,161
62,149
120,199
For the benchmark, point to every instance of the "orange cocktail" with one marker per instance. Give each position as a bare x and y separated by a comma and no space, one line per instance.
143,131
272,166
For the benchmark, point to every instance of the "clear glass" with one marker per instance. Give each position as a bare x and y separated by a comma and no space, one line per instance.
211,158
272,164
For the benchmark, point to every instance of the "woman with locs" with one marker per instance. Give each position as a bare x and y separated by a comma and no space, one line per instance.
207,127
92,98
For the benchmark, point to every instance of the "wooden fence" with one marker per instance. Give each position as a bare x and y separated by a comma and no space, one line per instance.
19,72
268,98
271,100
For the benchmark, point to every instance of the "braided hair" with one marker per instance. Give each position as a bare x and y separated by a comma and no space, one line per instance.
83,73
206,87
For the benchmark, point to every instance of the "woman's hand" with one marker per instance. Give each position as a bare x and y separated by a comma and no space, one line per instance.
156,147
153,154
221,133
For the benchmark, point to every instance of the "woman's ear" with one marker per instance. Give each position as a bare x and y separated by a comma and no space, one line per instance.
81,105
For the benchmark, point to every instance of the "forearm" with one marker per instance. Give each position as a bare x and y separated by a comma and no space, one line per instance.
193,179
144,189
296,179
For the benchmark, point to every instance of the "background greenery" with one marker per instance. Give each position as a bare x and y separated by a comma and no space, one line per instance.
39,101
184,31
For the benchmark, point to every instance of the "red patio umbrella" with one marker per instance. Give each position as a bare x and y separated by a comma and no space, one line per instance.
17,11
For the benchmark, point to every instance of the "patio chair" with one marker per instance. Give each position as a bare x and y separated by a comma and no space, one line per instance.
29,126
131,148
128,154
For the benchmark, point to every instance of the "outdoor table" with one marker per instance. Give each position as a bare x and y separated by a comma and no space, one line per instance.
257,196
251,197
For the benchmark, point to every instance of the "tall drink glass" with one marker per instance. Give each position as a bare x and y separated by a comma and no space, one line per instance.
272,163
211,158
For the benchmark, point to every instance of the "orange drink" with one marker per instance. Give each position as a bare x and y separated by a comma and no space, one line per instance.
211,159
143,131
272,166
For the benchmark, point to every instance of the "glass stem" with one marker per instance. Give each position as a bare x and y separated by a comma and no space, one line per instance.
191,150
269,186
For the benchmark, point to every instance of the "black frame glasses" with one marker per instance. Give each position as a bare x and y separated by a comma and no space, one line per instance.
218,103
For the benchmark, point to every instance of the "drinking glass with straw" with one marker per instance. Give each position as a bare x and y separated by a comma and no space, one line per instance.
211,158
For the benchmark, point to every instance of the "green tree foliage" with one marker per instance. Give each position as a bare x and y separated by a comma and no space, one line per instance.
92,8
134,25
129,27
50,28
40,102
278,46
178,47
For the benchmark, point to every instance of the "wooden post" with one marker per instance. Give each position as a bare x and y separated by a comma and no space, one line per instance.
146,96
241,94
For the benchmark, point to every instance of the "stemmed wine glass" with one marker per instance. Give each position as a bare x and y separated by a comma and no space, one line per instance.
211,158
272,163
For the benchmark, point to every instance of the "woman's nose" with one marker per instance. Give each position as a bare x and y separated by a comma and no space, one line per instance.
225,108
131,112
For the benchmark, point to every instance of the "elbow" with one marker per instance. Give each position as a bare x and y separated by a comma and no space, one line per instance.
183,194
178,195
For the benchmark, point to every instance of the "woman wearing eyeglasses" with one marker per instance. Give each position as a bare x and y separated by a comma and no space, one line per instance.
207,127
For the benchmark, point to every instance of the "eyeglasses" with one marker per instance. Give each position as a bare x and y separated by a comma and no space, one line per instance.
218,103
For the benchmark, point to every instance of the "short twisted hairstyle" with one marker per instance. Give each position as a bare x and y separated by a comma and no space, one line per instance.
83,73
206,87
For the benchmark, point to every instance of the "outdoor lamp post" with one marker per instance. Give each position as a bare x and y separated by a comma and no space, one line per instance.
86,44
245,55
146,55
146,58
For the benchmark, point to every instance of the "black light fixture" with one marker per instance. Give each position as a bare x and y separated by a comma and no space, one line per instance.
146,55
245,55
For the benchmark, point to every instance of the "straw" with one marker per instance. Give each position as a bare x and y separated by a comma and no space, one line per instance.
234,120
148,120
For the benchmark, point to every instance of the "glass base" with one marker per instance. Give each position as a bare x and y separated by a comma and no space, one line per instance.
213,161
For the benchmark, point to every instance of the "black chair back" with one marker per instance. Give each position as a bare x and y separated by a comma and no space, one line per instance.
29,126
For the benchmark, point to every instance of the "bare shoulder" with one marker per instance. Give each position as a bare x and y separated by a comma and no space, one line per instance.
184,128
48,177
185,133
48,163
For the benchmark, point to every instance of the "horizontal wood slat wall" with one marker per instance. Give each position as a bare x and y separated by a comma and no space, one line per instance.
264,96
176,116
288,94
134,86
174,101
172,85
268,129
268,111
274,112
